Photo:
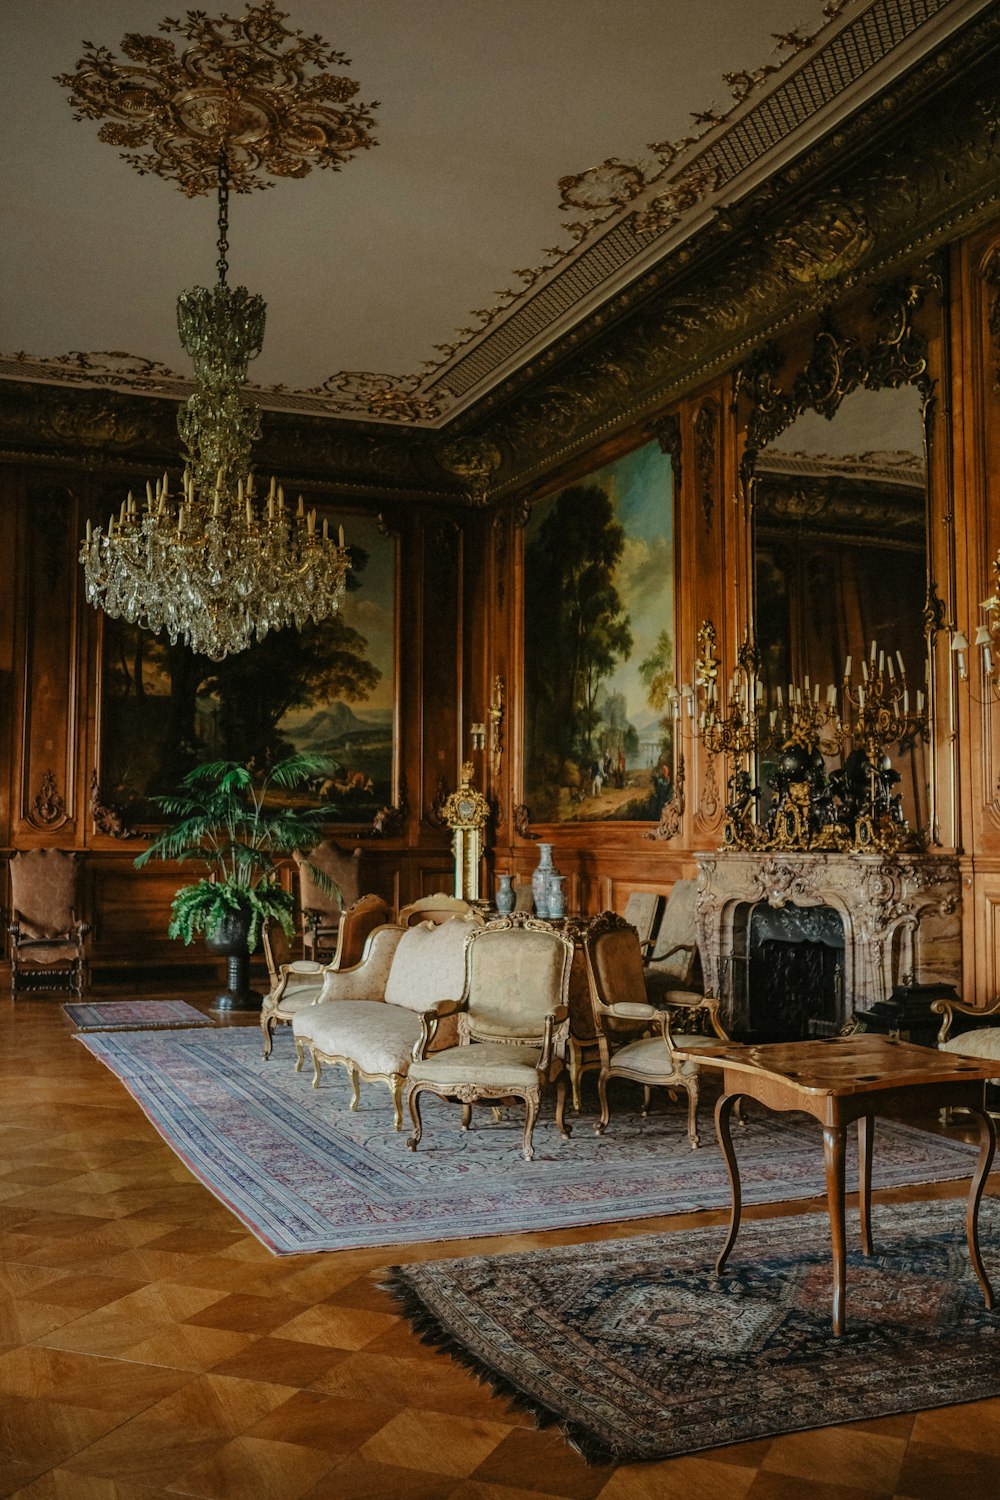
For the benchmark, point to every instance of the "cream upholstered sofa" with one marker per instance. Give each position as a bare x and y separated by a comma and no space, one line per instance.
370,1017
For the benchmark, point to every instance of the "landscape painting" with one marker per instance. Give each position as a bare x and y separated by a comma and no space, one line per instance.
599,645
329,689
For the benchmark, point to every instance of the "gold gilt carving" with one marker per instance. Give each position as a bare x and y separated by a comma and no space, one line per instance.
672,816
247,83
833,239
475,460
496,726
667,432
107,818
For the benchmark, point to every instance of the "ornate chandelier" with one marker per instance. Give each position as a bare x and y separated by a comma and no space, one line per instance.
210,561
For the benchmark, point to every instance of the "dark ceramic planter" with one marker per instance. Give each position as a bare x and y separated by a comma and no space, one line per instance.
230,941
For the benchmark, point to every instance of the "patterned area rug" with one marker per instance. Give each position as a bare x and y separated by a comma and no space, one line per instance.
305,1174
637,1351
134,1015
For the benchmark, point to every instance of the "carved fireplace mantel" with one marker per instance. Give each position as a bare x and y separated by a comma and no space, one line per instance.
901,916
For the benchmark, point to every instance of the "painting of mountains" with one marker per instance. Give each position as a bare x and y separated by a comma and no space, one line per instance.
329,689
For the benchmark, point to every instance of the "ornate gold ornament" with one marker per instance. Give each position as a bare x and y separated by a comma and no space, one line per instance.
246,84
203,562
48,808
496,726
466,812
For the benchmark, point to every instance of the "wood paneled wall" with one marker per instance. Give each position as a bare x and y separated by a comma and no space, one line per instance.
461,647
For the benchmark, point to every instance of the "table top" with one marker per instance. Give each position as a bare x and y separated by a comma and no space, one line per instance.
843,1065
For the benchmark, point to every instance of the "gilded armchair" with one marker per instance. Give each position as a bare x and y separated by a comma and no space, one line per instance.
636,1039
297,985
47,949
513,1022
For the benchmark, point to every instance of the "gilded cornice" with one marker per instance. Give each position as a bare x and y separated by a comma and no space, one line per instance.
113,432
911,173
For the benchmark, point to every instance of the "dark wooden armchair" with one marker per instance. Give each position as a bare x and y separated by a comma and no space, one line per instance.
321,910
47,932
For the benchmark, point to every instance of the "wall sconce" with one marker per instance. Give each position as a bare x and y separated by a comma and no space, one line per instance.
477,733
959,646
988,633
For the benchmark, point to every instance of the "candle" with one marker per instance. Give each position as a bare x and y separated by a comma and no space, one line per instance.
831,695
892,669
906,702
873,651
899,658
340,538
89,531
920,701
326,529
249,506
861,697
847,668
781,701
772,716
864,669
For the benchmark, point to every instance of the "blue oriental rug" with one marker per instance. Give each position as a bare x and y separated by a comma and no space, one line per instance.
637,1351
134,1015
304,1173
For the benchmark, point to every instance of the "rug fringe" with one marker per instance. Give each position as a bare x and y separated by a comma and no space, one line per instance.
432,1331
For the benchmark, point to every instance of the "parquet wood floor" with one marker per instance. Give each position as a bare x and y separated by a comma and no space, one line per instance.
151,1348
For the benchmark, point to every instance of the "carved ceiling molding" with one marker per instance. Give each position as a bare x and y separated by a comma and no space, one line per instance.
625,216
913,193
247,85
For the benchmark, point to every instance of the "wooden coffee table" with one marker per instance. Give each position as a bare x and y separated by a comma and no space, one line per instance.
837,1080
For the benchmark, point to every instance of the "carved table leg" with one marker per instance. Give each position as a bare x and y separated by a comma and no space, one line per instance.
834,1151
987,1147
866,1136
723,1110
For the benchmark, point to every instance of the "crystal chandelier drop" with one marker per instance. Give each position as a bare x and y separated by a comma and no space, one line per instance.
208,562
208,559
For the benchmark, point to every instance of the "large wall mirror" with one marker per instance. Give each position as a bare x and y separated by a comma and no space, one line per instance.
840,569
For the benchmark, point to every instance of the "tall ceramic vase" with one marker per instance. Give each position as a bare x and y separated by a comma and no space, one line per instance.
556,894
506,899
540,880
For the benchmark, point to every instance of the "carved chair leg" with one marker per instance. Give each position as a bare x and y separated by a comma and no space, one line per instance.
316,1066
466,1116
352,1074
413,1100
561,1126
575,1077
692,1093
266,1025
647,1098
396,1087
300,1054
602,1097
530,1116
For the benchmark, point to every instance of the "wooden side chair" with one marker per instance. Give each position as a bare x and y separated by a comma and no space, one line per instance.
296,985
636,1039
513,1020
47,950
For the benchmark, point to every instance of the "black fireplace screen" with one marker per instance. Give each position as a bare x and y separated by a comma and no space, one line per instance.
796,972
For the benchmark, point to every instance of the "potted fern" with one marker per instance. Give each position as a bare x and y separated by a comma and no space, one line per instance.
233,820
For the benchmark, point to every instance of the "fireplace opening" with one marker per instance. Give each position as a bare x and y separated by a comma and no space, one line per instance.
795,964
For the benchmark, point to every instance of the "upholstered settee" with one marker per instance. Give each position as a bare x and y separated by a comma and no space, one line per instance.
370,1017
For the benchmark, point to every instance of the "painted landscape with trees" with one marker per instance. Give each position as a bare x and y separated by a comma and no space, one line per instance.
329,690
598,645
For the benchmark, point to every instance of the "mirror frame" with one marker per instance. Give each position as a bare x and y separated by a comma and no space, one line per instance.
839,363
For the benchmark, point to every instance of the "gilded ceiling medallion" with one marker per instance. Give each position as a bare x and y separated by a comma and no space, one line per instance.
245,83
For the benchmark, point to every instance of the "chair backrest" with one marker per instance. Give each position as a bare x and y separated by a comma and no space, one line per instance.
429,964
437,908
277,950
615,973
642,909
45,891
517,971
356,922
675,952
343,867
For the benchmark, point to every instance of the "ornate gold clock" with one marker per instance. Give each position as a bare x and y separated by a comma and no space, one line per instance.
466,812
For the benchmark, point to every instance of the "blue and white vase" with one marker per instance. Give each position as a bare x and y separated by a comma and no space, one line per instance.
540,880
506,898
556,894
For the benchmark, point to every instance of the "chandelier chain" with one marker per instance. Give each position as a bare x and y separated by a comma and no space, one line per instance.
222,264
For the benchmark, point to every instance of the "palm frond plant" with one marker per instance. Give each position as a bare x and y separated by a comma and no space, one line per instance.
229,820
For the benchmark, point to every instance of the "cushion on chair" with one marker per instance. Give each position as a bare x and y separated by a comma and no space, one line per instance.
515,981
428,965
982,1043
649,1056
488,1064
299,998
379,1038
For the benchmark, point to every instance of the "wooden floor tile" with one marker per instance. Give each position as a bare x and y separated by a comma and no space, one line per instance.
866,1460
432,1440
151,1347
